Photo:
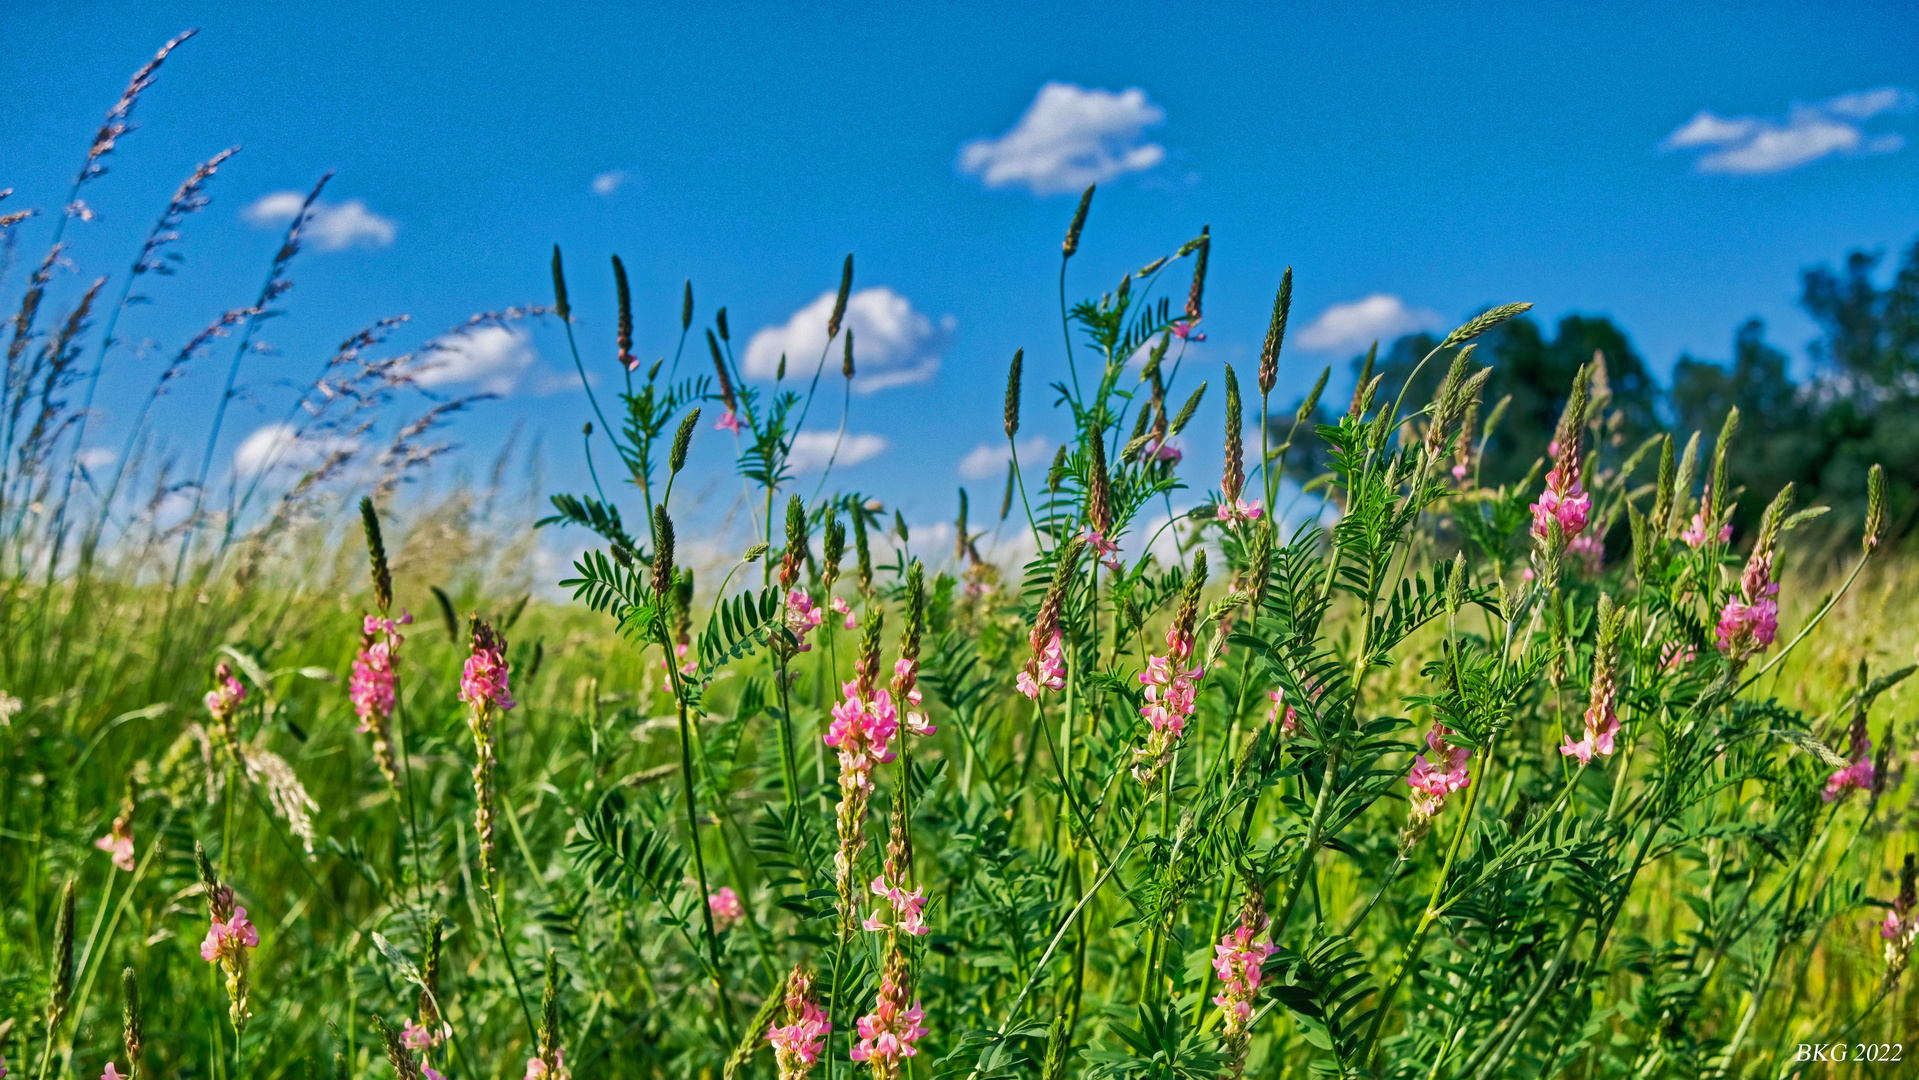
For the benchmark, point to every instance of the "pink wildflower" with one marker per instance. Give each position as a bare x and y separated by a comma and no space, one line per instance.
1590,553
906,682
797,1045
430,1073
536,1068
1238,510
1170,700
371,685
111,1072
1860,773
1902,922
1459,472
842,607
887,1034
862,731
1046,671
1237,960
1431,782
225,940
483,682
1674,655
1750,621
418,1037
802,617
223,701
1289,726
726,906
1696,534
1101,546
119,843
907,905
729,421
1183,330
1563,501
1163,451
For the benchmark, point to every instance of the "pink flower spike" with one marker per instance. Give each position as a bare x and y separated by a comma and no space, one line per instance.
726,906
729,422
112,1073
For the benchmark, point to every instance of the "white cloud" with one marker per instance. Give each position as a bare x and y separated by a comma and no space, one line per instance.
1069,137
893,345
329,226
987,461
494,357
608,182
281,446
813,449
1754,145
95,458
1354,326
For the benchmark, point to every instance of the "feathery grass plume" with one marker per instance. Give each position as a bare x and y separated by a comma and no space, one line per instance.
1198,291
447,616
1056,474
1071,243
662,554
832,549
846,363
404,1067
560,306
1275,335
1099,486
1185,414
429,1008
1141,421
1643,554
839,302
686,308
1875,533
60,986
906,694
719,367
132,1028
552,1055
1682,489
1059,1046
1006,500
1663,492
1721,450
484,687
1046,668
719,320
623,334
1259,564
795,554
1450,402
959,533
1362,388
1483,322
682,441
376,553
1234,478
1012,392
1311,400
862,551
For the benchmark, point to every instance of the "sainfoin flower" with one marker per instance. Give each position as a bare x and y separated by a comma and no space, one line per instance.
1750,620
1602,720
1433,780
1289,723
536,1068
1046,671
119,843
1183,330
417,1037
1696,534
728,421
1237,960
112,1072
1238,510
1563,500
842,607
905,906
223,703
1103,549
1902,922
1172,693
862,731
483,682
906,681
726,906
803,617
226,939
887,1034
1860,773
798,1042
371,685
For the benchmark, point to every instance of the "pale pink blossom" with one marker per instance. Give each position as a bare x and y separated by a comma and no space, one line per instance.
726,906
119,843
536,1068
224,699
802,617
1589,552
729,421
1170,699
842,607
1674,655
111,1072
888,1033
483,681
906,680
1459,471
1432,781
417,1037
1238,510
1105,550
1046,672
797,1044
1860,773
862,731
370,686
1237,960
1183,330
1289,725
226,939
905,907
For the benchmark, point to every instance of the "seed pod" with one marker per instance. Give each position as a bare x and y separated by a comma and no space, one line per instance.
1235,477
959,535
376,553
560,306
719,320
1071,244
795,554
1006,501
1012,392
1360,396
682,440
1642,549
1198,291
1875,532
1185,414
1259,563
839,303
1059,1040
430,975
686,308
719,367
846,365
624,335
1662,499
1721,485
866,667
832,547
60,993
1056,475
1456,585
1099,494
133,1030
662,553
779,373
550,1015
1275,335
860,549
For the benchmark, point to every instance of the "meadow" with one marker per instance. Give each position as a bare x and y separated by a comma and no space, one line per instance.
1392,773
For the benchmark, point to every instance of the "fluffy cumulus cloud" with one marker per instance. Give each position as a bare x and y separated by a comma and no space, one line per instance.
813,449
1069,137
329,226
281,447
1354,326
1754,145
987,461
893,345
607,183
491,358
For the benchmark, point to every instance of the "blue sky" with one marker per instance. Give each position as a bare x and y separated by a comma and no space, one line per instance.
1672,165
